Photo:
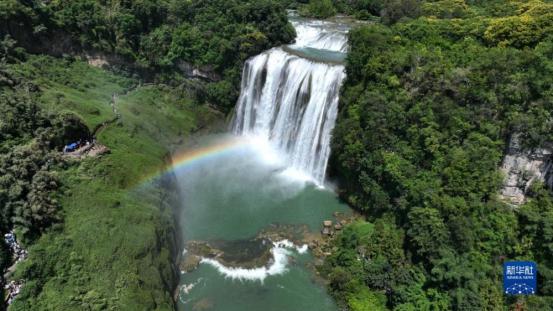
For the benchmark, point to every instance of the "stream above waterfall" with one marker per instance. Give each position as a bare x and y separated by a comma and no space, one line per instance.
257,197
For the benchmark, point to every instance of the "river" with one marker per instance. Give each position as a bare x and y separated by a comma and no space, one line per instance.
258,194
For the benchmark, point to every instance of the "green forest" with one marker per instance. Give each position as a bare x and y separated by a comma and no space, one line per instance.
435,90
153,36
89,230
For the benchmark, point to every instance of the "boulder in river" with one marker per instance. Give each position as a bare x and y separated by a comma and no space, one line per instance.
240,253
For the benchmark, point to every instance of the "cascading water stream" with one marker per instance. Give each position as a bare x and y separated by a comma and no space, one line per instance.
289,96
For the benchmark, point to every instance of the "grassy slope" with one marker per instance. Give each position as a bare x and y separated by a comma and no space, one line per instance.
114,249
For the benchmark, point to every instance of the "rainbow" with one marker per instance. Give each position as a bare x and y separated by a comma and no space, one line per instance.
183,160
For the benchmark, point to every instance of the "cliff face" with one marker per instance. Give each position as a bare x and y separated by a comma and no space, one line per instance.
101,60
523,167
171,238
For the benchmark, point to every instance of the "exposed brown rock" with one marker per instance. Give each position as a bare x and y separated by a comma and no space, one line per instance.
189,263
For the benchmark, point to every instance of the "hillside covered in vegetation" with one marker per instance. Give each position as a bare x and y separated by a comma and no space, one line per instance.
160,36
435,90
98,236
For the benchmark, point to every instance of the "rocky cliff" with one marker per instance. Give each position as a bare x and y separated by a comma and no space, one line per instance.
522,167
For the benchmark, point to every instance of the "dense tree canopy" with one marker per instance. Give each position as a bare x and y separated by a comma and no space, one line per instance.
426,114
150,30
30,141
318,9
160,35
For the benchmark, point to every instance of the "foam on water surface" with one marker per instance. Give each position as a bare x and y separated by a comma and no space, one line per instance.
281,251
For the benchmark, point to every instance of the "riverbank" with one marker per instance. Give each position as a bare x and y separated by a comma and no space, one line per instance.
118,241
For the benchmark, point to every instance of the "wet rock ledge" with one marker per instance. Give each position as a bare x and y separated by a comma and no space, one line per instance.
256,252
241,253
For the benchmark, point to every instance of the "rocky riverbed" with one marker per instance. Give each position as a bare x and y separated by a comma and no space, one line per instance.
256,252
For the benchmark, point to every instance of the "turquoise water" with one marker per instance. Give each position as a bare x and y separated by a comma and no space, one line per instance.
317,55
293,290
233,197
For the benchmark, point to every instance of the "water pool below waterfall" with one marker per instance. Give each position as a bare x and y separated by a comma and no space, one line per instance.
272,179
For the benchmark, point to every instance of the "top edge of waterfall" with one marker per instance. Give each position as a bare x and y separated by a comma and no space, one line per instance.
346,21
330,35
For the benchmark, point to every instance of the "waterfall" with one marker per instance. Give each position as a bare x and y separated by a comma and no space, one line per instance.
289,96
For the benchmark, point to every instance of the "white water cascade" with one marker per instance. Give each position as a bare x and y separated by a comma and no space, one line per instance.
289,96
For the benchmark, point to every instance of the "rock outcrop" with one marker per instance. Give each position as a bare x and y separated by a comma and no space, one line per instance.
242,253
205,72
523,167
